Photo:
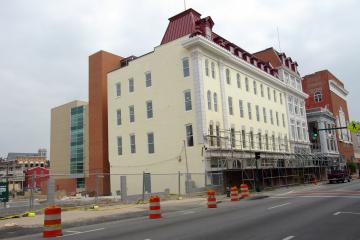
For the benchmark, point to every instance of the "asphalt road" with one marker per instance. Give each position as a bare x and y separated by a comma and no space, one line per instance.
328,212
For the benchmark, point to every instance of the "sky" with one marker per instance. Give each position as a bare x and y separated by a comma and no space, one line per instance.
44,47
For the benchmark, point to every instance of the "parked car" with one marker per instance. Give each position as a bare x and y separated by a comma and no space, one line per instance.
339,176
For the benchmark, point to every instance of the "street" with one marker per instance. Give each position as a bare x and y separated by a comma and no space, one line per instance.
329,211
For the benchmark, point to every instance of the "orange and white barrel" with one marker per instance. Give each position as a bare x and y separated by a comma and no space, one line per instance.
244,190
211,199
234,194
155,211
52,222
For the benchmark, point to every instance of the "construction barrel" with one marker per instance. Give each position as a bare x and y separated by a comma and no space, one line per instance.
244,191
211,199
234,194
154,207
52,222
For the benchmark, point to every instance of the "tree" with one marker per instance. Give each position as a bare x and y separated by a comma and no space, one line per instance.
351,166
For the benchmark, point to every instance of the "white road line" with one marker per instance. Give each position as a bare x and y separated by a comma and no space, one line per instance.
187,212
288,238
281,205
354,213
72,231
93,230
317,196
286,193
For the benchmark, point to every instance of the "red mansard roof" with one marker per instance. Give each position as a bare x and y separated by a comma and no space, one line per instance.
180,25
190,22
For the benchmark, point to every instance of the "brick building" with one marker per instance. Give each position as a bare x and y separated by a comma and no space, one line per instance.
327,91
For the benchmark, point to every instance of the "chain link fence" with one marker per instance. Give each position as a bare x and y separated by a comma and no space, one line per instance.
36,191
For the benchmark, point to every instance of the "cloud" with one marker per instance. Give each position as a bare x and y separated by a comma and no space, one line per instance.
45,47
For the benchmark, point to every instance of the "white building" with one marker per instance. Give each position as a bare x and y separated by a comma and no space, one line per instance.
295,99
325,144
170,109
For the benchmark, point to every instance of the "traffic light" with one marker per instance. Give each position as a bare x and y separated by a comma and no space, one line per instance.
314,133
257,155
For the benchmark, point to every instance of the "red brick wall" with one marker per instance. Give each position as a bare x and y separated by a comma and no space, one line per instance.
316,82
100,64
320,81
68,185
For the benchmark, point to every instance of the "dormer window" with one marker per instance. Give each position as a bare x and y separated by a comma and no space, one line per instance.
317,96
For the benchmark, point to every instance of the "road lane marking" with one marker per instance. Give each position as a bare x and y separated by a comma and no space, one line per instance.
288,238
72,231
187,212
316,196
281,205
286,193
353,213
76,233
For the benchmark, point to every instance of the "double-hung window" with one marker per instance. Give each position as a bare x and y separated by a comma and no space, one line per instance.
241,108
230,102
207,67
264,114
257,113
132,143
131,85
209,99
215,102
249,110
238,79
118,89
148,82
149,109
187,98
228,77
132,113
189,135
151,144
186,67
119,145
118,117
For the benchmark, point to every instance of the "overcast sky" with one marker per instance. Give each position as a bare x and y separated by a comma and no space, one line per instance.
44,47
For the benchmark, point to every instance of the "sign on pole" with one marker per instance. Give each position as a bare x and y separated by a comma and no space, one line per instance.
353,126
4,192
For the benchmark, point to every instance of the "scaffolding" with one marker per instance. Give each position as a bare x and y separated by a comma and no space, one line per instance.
233,154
